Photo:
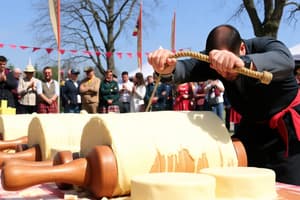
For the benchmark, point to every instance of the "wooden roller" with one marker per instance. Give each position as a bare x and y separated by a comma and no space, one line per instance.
202,136
97,172
193,141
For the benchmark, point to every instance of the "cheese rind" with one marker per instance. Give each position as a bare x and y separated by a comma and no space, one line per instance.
56,131
165,141
14,126
175,186
243,183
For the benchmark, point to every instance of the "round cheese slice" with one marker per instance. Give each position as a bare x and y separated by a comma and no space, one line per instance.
243,183
175,186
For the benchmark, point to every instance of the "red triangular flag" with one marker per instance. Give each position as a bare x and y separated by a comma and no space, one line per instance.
108,54
98,53
129,54
87,53
49,50
13,46
35,49
23,47
73,51
61,51
119,54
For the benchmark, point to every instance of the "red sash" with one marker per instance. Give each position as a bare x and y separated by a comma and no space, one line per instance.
278,122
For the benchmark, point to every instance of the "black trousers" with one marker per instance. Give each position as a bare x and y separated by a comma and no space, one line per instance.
265,148
124,107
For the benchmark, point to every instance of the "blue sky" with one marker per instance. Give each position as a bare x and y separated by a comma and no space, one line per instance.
194,19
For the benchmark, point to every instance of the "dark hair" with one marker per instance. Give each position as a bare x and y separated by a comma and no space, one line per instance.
47,67
124,73
140,78
109,71
3,59
224,37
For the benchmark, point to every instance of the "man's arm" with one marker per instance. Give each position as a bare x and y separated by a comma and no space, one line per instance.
268,54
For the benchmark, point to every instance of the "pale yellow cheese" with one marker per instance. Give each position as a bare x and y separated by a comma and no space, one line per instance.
54,132
142,142
243,183
175,186
14,126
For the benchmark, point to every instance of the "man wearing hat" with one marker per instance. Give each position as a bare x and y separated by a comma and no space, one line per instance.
70,93
7,83
89,91
27,91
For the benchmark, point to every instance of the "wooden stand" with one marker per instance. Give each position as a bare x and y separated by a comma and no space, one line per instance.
97,172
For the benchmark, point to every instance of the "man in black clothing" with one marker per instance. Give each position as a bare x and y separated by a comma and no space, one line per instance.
7,83
269,128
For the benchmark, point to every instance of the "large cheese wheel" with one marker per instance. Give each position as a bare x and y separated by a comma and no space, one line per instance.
166,141
175,186
14,126
243,183
56,132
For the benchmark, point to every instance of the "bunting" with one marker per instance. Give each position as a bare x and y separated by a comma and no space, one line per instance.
74,51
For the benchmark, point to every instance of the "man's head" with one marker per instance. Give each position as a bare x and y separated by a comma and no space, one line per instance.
17,73
125,77
149,79
225,37
74,72
47,73
109,75
89,71
3,61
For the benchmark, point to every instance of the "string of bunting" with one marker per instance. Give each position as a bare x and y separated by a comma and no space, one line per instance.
73,51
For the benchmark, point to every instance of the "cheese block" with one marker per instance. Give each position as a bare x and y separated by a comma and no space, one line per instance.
165,141
175,186
243,183
14,126
54,132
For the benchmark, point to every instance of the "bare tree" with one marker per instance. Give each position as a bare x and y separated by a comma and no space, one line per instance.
91,25
272,14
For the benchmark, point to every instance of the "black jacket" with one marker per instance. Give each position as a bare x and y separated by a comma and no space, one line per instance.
6,88
252,99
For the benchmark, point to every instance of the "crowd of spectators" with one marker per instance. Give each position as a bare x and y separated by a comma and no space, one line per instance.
129,94
110,95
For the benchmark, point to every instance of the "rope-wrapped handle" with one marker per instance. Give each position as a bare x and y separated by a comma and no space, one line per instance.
264,77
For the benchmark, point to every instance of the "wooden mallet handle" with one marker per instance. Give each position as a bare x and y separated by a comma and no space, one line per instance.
11,144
